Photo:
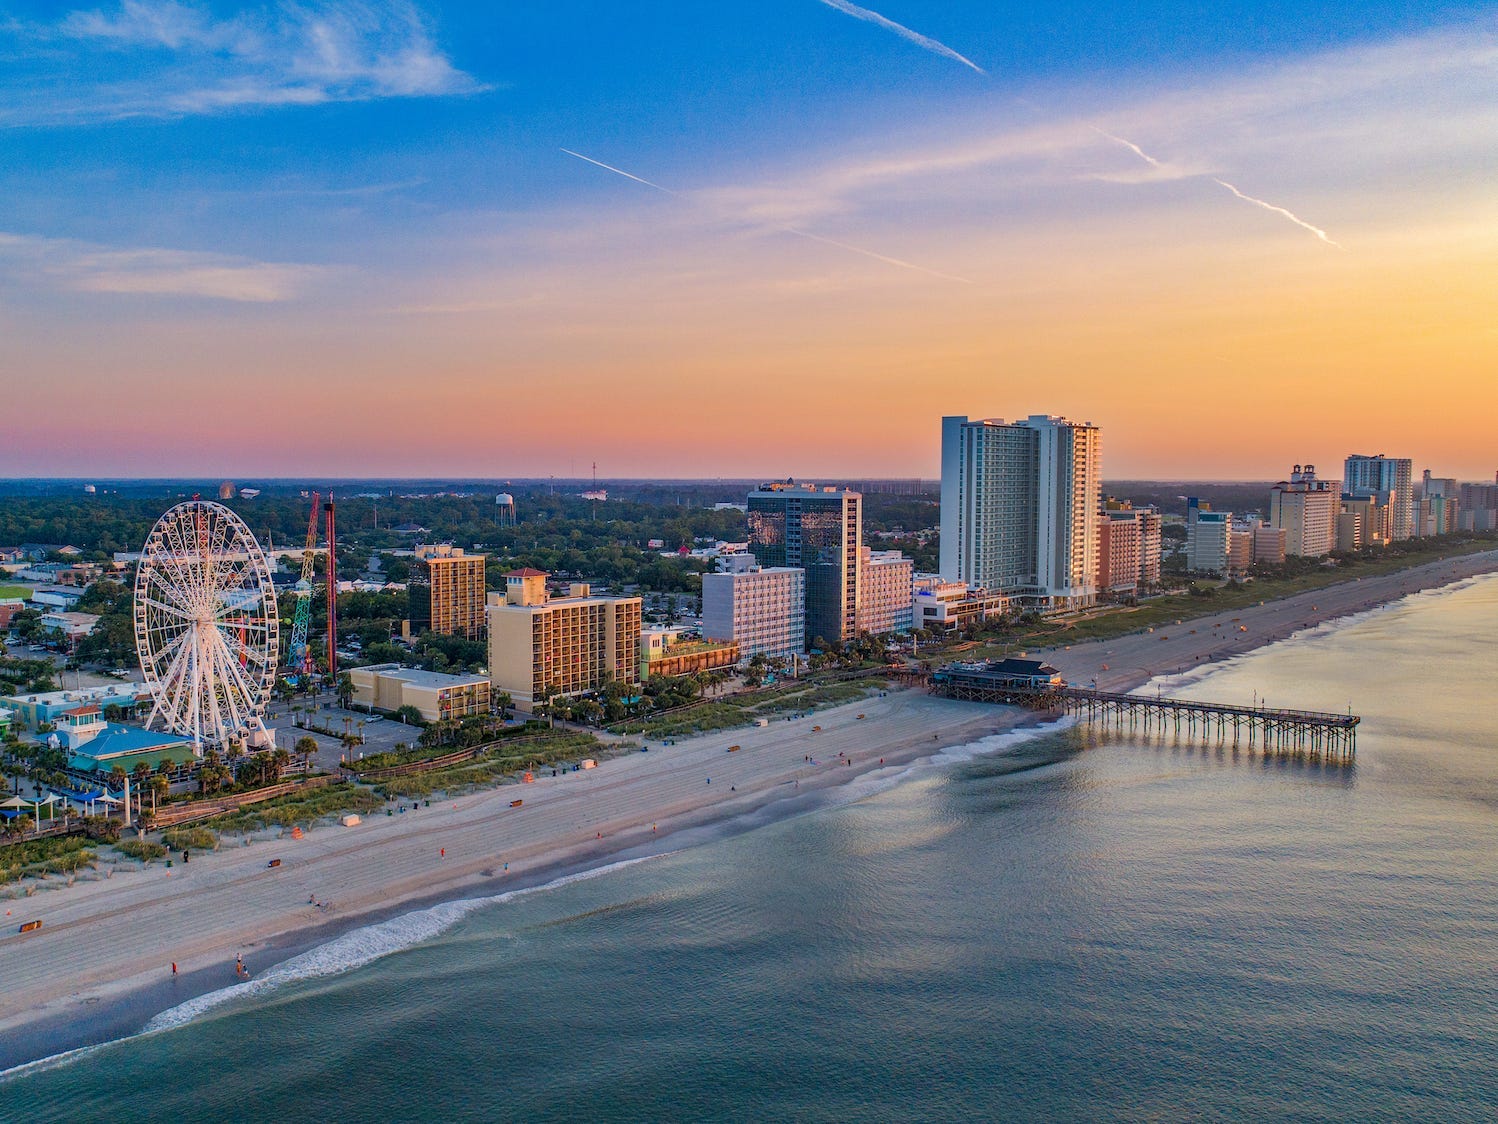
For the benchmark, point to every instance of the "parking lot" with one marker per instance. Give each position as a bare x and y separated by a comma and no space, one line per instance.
380,734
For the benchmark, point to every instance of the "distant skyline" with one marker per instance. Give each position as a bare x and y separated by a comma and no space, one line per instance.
361,239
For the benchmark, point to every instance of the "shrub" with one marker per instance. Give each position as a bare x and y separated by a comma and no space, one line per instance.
190,839
142,849
101,829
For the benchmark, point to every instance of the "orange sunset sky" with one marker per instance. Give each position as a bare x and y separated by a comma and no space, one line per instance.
1231,263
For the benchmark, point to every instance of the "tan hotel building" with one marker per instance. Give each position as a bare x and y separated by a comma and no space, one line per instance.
564,645
446,592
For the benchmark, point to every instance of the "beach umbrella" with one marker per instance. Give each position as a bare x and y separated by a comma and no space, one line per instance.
13,802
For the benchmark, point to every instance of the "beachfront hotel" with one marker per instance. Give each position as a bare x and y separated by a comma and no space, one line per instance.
1019,503
1387,479
818,530
887,597
762,610
540,645
1307,509
446,591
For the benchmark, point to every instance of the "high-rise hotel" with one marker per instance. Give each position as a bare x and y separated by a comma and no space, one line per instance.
1019,504
446,591
541,645
1387,479
819,530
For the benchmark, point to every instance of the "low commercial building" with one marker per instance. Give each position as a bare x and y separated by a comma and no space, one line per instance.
541,646
436,696
54,597
101,747
32,710
72,626
762,610
664,651
945,606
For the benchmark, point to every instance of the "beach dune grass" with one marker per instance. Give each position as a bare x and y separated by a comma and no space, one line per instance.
300,808
142,849
497,766
41,857
197,838
726,714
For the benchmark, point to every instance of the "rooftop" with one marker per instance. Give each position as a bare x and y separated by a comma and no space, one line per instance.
118,740
419,678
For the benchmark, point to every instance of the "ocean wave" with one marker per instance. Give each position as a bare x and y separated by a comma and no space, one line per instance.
52,1061
994,743
344,953
362,946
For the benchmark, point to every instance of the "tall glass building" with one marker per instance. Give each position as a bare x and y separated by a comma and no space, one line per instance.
819,530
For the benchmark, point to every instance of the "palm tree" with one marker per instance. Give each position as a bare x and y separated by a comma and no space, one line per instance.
280,759
160,785
305,748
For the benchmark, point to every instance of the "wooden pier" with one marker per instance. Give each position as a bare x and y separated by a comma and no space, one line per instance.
1285,733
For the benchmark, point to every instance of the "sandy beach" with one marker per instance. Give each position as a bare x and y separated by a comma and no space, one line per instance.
101,964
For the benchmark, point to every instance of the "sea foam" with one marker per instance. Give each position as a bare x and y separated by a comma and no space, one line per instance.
343,953
362,946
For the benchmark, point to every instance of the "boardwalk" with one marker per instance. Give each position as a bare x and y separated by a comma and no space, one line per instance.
1290,733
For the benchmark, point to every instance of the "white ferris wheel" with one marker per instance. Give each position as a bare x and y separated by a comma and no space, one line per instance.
207,628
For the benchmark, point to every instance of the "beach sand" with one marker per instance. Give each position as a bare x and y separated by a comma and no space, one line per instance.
101,964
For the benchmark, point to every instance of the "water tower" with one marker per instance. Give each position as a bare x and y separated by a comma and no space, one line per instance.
504,510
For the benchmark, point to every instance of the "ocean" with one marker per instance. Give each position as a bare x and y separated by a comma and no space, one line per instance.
1069,926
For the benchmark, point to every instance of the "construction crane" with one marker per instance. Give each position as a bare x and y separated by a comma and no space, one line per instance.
300,656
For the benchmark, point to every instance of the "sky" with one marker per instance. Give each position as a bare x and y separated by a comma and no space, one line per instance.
781,238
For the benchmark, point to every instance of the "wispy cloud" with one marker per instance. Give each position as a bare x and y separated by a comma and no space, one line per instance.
165,58
934,46
786,229
1281,211
84,267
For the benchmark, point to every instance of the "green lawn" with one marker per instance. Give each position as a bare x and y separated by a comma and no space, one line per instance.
11,592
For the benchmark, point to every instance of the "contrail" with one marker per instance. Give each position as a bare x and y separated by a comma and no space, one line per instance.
875,256
1139,152
1296,219
902,31
783,228
621,172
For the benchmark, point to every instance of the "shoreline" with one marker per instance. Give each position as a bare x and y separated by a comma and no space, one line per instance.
126,930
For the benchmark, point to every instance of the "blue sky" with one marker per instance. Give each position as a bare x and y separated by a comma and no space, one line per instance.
347,194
